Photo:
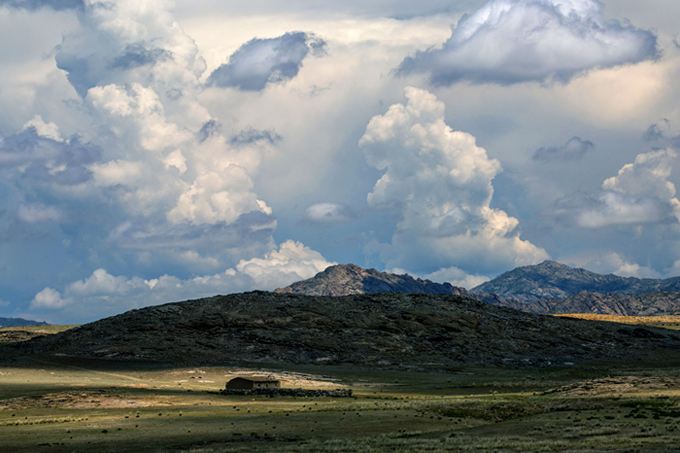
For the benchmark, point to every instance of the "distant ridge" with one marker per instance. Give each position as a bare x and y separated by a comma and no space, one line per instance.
350,279
15,322
551,280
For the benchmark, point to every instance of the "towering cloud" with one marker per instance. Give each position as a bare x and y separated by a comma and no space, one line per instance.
514,41
441,182
37,4
151,179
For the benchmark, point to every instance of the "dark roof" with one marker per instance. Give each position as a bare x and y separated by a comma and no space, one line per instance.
255,379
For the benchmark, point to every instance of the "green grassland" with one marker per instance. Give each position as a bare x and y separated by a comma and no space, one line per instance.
75,406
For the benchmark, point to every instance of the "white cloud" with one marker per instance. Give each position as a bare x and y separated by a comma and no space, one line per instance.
48,298
608,262
38,212
293,261
442,183
639,194
514,41
105,294
457,277
47,130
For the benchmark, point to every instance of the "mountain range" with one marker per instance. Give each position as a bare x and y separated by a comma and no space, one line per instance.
546,288
14,322
349,279
552,280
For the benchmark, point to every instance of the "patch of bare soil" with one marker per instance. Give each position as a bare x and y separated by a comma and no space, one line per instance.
15,336
619,385
77,400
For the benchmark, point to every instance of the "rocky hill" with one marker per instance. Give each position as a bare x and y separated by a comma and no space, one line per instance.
348,279
551,280
14,322
377,330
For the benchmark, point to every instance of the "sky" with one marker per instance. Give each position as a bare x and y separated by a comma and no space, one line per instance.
154,151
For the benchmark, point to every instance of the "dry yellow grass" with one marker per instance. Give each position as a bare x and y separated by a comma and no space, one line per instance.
668,322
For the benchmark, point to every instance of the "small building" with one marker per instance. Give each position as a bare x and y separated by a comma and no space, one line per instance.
253,382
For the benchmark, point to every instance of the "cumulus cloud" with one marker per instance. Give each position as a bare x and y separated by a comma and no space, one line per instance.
48,298
639,194
574,149
515,41
40,155
56,5
608,208
126,42
262,61
38,212
609,262
152,179
663,131
328,213
457,277
442,183
104,293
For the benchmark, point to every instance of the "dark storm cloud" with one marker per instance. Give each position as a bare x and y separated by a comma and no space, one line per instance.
45,159
574,149
662,133
209,129
248,136
57,5
262,61
531,40
136,55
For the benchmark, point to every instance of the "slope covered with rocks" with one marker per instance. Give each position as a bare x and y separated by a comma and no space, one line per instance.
380,330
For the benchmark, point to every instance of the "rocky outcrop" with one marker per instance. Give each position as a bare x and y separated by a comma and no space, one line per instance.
551,280
378,330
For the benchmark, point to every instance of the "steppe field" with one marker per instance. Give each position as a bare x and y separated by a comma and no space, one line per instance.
66,405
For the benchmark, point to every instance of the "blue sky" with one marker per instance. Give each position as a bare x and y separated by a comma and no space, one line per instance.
154,151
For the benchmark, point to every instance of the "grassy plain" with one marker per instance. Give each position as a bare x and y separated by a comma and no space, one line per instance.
68,405
74,406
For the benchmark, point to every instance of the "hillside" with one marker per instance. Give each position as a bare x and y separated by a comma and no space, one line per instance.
383,330
14,322
551,280
652,304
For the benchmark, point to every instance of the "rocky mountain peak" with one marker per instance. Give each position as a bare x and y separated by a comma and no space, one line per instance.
349,279
552,280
